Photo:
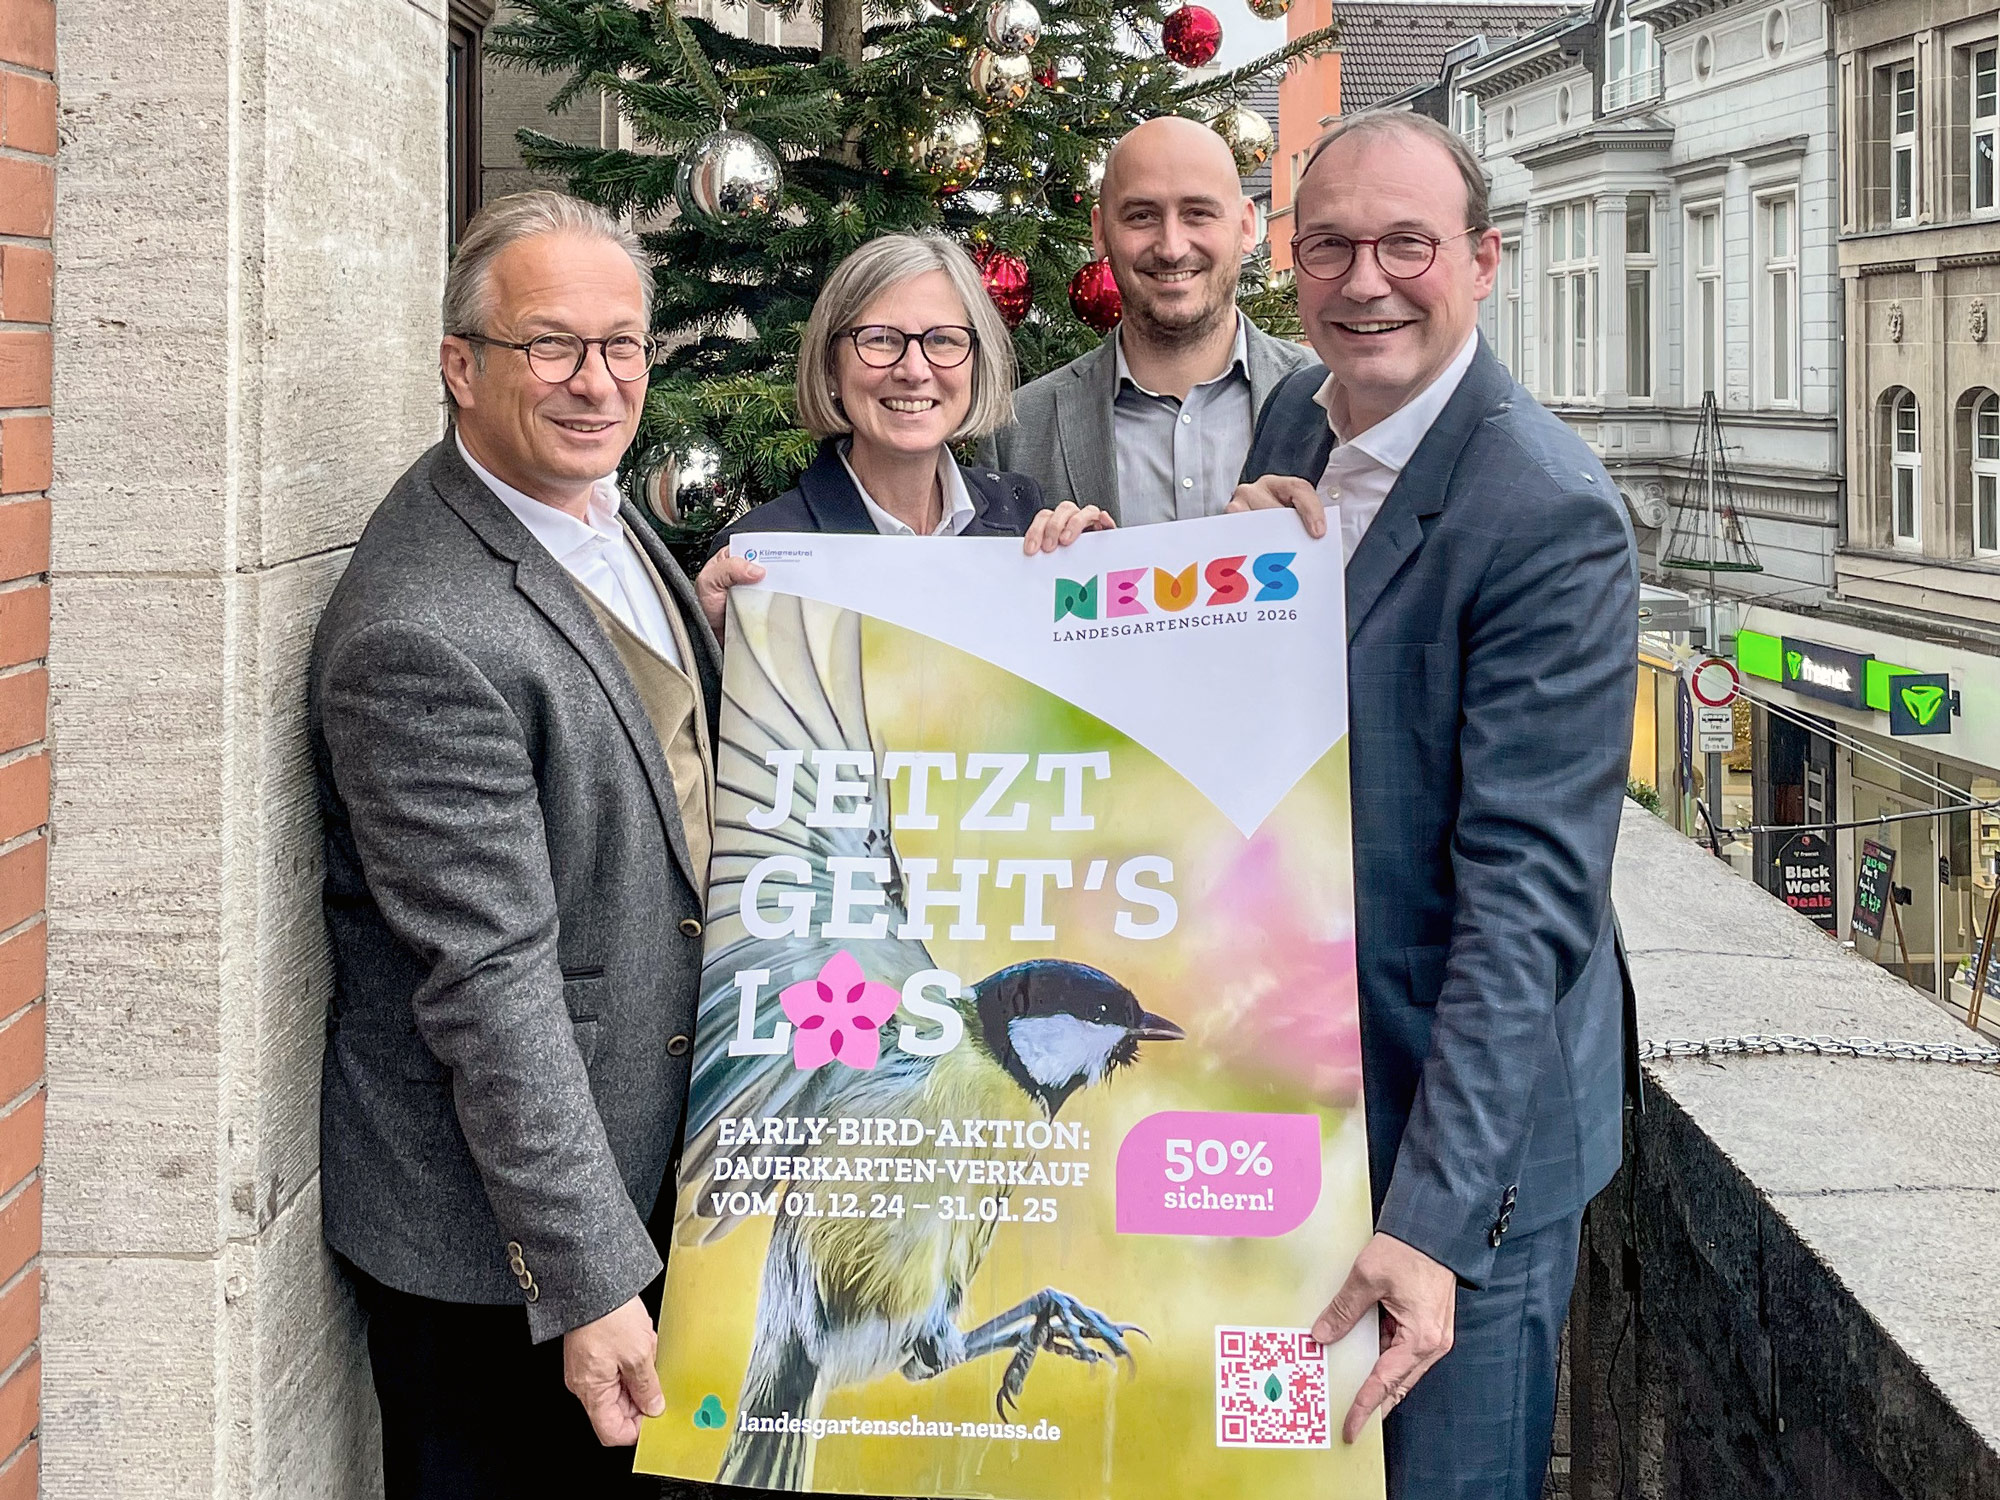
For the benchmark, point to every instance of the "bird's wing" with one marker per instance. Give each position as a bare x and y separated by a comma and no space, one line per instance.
794,683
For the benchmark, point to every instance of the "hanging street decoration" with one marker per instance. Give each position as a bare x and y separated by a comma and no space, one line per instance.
1192,36
953,150
1007,283
1249,135
1093,297
728,177
1013,27
1002,80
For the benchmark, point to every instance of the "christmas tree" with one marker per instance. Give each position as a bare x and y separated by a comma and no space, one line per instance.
758,167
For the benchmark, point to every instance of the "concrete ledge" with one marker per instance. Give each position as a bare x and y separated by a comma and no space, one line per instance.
1788,1291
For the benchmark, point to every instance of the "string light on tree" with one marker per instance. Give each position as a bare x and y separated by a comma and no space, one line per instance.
728,177
1093,297
1013,27
1192,36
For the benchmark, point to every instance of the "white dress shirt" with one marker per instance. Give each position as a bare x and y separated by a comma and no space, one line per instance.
958,511
599,554
1361,472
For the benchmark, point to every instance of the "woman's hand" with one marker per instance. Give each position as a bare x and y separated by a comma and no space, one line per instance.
718,576
1063,525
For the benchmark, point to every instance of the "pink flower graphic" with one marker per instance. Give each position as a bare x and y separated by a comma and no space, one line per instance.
838,1016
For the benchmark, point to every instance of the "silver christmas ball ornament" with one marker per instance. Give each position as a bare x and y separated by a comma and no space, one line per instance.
953,150
728,177
1268,10
1249,135
1001,79
1013,27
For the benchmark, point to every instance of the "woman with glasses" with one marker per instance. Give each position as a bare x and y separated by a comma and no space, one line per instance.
903,356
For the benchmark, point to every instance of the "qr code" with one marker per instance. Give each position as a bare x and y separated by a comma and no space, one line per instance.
1270,1389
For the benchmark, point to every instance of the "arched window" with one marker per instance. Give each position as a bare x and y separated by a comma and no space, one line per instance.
1986,477
1631,61
1906,474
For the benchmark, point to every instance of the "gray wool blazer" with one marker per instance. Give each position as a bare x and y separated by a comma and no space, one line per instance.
515,928
1062,435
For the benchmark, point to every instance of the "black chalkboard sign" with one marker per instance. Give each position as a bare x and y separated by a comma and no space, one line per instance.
1872,887
1805,878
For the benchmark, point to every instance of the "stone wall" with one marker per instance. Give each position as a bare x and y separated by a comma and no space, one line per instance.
1787,1291
250,239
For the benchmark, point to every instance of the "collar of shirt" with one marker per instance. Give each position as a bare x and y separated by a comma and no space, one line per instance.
958,511
1239,361
1392,441
559,532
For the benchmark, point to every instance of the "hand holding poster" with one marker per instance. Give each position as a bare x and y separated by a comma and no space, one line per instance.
1025,1136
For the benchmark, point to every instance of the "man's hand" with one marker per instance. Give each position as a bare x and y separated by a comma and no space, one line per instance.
608,1366
1283,490
1063,525
712,585
1419,1301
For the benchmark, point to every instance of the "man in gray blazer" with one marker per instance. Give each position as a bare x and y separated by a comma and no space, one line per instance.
511,699
1492,614
1153,424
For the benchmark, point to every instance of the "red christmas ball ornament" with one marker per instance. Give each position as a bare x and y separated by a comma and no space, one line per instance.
1006,278
1192,35
1045,75
1093,296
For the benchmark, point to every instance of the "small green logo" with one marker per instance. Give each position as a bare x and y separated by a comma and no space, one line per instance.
1923,702
1793,661
1274,1389
710,1413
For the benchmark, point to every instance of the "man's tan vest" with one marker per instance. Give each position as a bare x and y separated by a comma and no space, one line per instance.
672,700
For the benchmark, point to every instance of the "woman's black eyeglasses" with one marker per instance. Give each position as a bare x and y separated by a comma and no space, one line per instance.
881,346
1403,256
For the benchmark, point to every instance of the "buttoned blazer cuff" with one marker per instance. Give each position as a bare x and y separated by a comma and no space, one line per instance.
570,1296
1450,1232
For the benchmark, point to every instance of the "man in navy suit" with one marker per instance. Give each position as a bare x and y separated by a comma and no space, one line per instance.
1492,601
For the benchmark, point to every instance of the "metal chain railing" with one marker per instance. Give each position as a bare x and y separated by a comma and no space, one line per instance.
1671,1048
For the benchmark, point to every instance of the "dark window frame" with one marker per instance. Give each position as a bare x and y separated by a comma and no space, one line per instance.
465,62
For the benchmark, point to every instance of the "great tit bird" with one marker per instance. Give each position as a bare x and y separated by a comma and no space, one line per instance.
850,1296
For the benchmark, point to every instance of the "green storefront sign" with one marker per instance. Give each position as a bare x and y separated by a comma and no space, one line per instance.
1849,678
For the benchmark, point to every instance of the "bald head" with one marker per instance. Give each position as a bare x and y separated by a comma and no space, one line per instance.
1172,220
1171,147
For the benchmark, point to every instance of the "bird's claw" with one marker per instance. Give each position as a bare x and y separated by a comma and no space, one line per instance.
1062,1325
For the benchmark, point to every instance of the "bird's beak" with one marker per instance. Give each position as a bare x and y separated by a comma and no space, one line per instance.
1154,1028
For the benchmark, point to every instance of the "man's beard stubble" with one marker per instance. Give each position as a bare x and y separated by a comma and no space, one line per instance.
1206,319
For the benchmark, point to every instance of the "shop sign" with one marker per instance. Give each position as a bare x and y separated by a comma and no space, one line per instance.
1825,672
1920,703
1805,878
1872,888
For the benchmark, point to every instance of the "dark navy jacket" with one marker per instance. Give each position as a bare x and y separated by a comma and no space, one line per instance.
825,500
1492,615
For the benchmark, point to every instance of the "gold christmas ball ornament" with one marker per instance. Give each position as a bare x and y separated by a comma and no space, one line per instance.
1013,27
1268,10
1002,80
728,177
953,150
1249,135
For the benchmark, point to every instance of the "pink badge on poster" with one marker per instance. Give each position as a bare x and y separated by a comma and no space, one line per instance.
1192,1172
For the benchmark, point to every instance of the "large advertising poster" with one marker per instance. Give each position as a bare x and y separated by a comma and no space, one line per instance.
1025,1136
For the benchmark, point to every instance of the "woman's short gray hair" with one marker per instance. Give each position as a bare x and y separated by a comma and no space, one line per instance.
885,262
507,221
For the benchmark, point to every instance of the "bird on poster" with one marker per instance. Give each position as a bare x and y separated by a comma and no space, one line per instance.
848,1299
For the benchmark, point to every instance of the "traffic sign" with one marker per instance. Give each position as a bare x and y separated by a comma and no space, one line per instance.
1714,683
1714,728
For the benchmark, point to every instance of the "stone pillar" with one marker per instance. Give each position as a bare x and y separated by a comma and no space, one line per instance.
1611,282
250,242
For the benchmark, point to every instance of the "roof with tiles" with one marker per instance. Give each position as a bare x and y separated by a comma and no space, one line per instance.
1388,49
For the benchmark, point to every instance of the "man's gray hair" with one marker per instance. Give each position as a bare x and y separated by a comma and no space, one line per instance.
885,262
507,221
1408,122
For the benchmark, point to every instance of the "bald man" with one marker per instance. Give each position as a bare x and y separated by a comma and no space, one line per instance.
1154,423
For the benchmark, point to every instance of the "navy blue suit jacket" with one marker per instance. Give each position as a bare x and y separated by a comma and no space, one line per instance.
825,500
1492,617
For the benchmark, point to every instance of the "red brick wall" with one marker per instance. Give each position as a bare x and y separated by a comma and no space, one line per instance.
27,270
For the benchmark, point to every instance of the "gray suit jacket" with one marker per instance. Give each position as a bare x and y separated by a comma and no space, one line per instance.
514,920
1062,435
1492,620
